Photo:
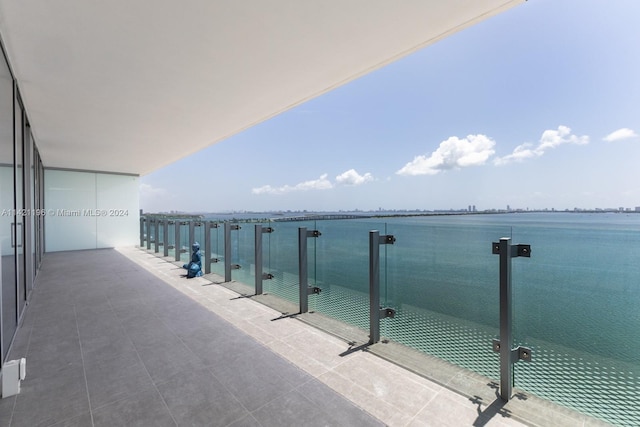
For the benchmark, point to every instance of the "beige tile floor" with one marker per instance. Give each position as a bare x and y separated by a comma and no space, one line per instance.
396,396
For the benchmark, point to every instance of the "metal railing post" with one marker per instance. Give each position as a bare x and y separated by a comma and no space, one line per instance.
305,289
259,275
156,228
207,247
192,236
227,252
142,219
149,227
168,246
165,237
508,356
376,312
178,247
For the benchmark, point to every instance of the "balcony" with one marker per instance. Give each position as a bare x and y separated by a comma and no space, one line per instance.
120,337
570,307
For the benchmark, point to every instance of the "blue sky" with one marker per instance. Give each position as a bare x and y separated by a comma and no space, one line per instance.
538,107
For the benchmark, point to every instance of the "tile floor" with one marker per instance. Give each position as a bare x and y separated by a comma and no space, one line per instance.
120,338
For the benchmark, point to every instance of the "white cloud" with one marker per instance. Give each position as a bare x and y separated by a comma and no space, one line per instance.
549,139
620,134
351,177
553,138
321,183
474,150
520,153
149,190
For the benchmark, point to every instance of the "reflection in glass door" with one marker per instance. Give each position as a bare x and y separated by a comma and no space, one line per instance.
7,218
29,219
19,227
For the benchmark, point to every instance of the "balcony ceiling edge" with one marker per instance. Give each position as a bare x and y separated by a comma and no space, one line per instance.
131,87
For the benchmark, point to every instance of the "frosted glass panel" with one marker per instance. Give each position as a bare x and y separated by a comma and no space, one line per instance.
118,205
67,197
88,210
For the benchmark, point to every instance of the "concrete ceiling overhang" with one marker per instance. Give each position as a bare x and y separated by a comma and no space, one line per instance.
133,85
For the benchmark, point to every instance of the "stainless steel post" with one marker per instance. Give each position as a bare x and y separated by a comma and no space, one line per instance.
165,237
156,240
149,227
376,312
302,270
506,333
508,356
227,252
258,259
142,219
178,246
207,247
374,287
304,289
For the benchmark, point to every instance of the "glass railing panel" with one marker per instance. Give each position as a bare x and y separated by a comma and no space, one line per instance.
341,262
442,279
160,240
243,253
280,258
152,234
576,306
145,232
171,239
216,234
198,233
183,246
149,233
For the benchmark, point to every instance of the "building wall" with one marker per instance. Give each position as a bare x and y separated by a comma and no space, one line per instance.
90,210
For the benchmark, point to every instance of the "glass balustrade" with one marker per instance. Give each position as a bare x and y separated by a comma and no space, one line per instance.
160,238
216,234
576,306
340,264
183,246
170,241
442,280
198,233
243,254
280,258
575,300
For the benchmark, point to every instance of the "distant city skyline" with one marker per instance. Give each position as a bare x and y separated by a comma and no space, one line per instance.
535,108
508,209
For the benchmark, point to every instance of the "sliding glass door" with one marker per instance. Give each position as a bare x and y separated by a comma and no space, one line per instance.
8,225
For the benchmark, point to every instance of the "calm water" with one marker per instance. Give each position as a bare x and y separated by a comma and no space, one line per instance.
576,300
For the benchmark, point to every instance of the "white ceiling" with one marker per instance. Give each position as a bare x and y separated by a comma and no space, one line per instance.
133,85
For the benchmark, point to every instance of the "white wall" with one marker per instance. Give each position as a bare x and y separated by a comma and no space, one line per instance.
90,210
